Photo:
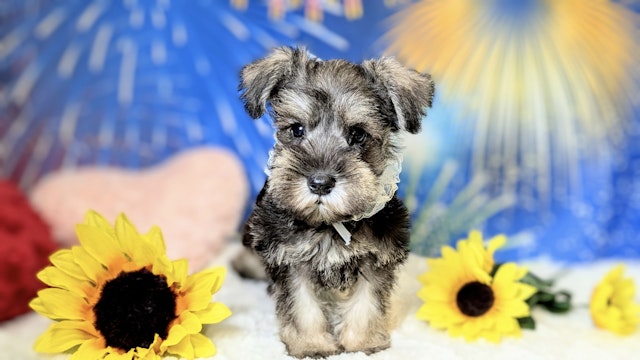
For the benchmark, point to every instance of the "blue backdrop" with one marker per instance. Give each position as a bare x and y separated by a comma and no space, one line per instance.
130,83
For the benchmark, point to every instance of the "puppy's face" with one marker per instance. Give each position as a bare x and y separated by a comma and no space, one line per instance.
337,128
333,142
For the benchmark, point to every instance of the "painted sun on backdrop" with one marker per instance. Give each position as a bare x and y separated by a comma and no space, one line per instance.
540,84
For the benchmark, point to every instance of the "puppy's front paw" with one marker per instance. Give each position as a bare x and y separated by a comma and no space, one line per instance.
368,343
317,346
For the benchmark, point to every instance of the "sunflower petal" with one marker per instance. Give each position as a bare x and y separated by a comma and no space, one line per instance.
155,237
90,349
203,346
176,334
64,260
146,354
615,273
190,322
180,271
475,237
54,277
448,253
132,242
195,300
507,272
495,243
213,313
183,349
152,352
525,291
471,257
473,327
58,304
89,265
37,305
117,354
161,265
93,218
63,336
515,308
98,244
200,287
211,279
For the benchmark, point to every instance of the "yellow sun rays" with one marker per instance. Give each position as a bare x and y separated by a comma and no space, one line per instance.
540,89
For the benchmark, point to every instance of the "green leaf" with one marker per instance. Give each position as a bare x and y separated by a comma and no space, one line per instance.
533,280
527,323
561,302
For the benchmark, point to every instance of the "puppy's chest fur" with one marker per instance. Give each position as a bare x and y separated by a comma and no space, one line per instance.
289,246
327,260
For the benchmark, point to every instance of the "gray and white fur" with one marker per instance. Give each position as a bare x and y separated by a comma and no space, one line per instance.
338,126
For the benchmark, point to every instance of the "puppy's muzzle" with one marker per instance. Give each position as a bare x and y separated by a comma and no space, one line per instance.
321,184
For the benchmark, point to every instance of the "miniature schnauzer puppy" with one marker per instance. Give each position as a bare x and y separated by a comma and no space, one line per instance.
327,226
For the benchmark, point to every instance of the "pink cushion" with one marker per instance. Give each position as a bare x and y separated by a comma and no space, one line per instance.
196,197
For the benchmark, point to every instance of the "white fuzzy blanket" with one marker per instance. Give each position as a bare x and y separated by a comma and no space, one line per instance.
251,332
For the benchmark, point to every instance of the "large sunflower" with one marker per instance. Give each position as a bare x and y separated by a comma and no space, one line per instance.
117,295
612,303
461,296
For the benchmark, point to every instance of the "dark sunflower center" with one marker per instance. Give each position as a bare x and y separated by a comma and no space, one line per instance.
475,299
133,307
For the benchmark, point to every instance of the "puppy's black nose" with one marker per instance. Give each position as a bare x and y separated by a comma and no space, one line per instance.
321,184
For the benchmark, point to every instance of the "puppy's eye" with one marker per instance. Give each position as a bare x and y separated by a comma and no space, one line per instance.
357,135
297,130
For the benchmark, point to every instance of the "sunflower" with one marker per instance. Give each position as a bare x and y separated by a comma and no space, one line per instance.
612,303
117,295
461,296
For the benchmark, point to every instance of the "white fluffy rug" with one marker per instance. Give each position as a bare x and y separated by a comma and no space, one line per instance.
251,332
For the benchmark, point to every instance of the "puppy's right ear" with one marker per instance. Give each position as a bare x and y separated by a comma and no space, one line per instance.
261,80
409,91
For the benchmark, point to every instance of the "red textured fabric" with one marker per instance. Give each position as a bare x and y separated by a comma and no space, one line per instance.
25,246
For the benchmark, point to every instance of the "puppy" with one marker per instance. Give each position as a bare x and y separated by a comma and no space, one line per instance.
327,226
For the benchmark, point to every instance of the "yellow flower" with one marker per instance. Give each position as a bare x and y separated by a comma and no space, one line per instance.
612,304
474,248
117,295
461,296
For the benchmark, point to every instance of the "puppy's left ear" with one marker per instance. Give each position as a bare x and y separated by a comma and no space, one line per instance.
410,92
260,80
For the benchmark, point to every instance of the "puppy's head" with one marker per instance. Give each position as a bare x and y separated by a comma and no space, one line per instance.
337,124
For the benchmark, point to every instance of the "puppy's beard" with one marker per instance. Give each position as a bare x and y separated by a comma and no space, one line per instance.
342,203
317,209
